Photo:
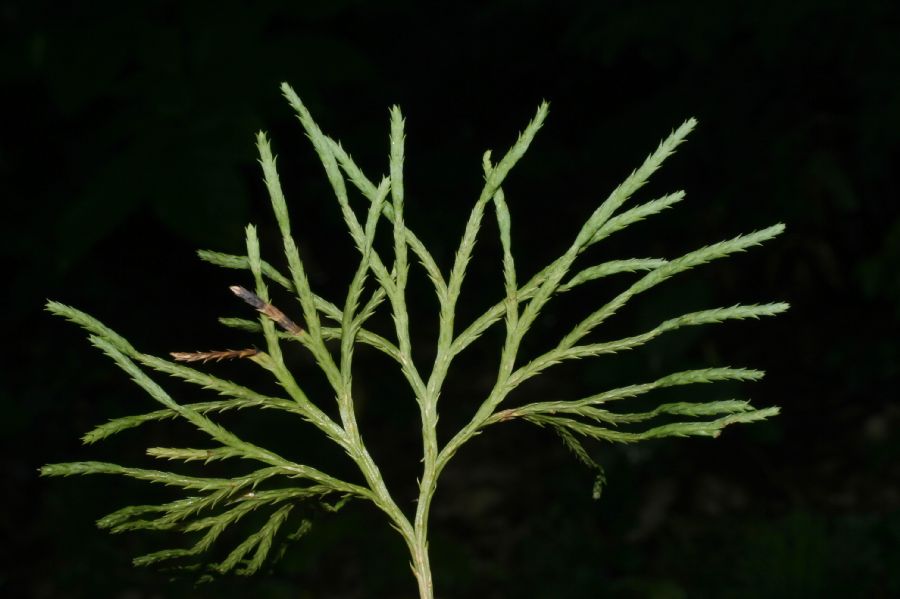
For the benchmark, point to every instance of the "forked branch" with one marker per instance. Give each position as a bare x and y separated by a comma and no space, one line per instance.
288,491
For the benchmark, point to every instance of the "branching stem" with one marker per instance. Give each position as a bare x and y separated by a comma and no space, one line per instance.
216,503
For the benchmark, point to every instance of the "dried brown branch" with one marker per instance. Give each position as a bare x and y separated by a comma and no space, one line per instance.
206,356
268,309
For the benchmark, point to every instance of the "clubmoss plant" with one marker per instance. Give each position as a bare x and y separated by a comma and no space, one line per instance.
330,332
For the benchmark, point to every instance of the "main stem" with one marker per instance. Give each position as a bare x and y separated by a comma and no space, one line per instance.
415,536
434,463
422,567
421,563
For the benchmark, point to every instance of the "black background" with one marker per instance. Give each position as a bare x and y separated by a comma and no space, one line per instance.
127,142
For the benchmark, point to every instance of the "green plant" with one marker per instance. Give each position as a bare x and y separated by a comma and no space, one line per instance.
213,504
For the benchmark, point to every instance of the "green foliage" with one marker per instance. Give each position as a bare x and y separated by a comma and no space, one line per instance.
279,486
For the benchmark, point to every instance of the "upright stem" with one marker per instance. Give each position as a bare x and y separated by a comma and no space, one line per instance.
422,567
414,537
421,564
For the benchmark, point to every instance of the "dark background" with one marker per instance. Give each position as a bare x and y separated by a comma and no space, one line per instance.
127,142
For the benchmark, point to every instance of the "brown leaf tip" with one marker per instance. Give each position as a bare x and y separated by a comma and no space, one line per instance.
206,356
248,296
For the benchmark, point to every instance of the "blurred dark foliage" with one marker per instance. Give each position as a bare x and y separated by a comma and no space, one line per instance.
127,142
